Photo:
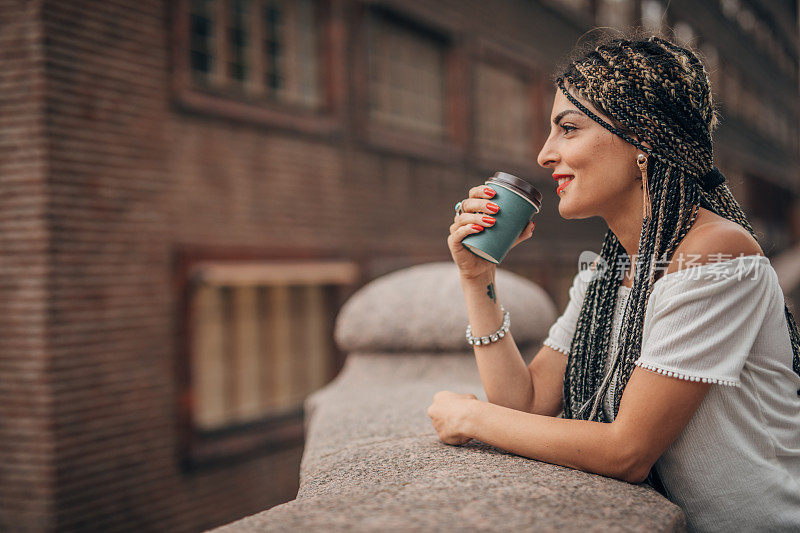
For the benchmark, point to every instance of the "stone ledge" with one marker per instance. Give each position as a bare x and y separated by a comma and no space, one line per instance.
374,462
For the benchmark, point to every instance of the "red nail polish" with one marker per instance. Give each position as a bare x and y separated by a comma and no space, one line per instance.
489,192
493,207
488,220
477,227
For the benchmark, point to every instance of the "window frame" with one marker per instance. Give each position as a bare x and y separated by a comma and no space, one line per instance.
538,83
232,104
198,448
452,148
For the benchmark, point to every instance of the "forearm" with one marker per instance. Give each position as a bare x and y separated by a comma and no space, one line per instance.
505,377
580,444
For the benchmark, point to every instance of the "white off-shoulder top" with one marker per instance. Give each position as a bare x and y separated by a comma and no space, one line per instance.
736,465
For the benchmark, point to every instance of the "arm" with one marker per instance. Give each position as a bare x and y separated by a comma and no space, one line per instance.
504,376
654,410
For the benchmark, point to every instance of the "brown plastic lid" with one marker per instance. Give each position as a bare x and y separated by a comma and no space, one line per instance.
520,186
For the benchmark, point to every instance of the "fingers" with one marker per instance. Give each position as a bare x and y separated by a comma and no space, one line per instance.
472,218
482,191
528,231
478,205
478,201
458,234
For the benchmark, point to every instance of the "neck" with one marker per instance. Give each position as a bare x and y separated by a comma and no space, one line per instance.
627,226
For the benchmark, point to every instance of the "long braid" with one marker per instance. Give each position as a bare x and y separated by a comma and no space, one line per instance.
660,92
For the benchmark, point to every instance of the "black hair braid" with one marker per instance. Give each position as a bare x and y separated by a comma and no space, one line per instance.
659,93
591,338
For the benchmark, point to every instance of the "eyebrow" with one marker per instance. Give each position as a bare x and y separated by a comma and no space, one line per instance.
565,112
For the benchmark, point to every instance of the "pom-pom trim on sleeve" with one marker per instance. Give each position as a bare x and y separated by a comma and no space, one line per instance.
672,373
553,345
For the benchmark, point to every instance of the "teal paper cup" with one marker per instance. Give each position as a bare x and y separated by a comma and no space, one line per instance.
518,201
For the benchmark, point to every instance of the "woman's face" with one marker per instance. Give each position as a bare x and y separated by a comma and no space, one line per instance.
602,164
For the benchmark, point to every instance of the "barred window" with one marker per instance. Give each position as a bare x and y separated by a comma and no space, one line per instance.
260,339
263,48
406,76
504,112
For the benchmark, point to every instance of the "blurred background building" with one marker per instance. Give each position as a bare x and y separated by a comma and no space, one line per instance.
190,189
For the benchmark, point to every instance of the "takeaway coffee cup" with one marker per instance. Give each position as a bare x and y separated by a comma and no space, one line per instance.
518,201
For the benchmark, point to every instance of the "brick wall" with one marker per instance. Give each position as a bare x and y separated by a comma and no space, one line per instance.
105,178
26,429
91,227
117,210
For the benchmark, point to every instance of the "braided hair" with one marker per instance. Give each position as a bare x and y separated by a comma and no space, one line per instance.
659,93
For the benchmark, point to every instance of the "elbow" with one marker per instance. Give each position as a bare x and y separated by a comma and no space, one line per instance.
634,465
633,457
637,474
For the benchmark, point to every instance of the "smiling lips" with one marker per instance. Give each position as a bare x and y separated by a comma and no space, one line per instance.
563,181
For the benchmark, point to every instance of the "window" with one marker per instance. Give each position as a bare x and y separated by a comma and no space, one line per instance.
684,33
746,20
290,48
770,206
652,14
615,13
712,65
579,6
238,40
504,112
732,90
730,8
259,338
548,93
261,48
406,77
202,39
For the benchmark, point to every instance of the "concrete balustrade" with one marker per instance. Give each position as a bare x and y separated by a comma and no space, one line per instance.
372,460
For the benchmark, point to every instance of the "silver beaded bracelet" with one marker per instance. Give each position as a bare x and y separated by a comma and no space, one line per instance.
492,337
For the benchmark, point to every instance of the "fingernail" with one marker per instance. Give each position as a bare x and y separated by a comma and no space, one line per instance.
477,227
488,220
489,192
493,207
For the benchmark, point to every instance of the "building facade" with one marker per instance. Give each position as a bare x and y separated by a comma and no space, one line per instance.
191,188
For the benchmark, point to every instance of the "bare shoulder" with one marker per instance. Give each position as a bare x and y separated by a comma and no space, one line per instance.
714,239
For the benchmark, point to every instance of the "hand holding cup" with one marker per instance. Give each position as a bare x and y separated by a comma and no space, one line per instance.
480,213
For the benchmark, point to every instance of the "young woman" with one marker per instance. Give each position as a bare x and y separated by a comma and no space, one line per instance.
677,363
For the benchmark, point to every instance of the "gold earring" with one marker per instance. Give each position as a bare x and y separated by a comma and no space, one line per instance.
641,161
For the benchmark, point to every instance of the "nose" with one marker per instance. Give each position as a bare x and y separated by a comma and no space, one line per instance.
547,155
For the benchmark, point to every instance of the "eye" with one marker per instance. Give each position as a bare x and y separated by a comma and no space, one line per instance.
567,128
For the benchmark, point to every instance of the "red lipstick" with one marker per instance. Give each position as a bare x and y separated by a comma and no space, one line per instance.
563,185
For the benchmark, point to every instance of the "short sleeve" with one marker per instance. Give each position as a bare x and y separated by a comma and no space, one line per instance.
702,327
559,337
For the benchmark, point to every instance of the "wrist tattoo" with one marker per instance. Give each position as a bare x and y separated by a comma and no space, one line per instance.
490,292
